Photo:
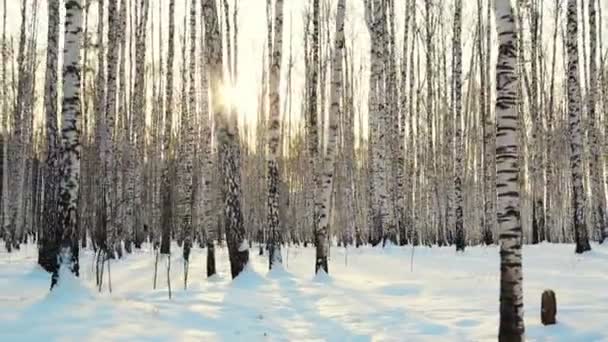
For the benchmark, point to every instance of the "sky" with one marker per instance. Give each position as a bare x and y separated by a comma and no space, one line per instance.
252,40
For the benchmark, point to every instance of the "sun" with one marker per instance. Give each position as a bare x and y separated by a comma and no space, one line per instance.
229,95
235,97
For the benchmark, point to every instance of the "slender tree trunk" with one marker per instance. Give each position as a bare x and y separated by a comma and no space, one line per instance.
576,133
551,128
457,75
166,184
134,181
100,208
598,201
110,158
273,140
487,128
402,188
323,203
5,133
187,146
536,147
312,113
47,252
207,162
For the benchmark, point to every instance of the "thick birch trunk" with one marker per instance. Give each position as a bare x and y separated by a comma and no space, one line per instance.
70,134
507,178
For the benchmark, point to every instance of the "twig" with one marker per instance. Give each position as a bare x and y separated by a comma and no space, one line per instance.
109,277
186,264
169,273
155,270
412,259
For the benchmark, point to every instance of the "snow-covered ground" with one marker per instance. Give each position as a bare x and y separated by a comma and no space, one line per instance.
370,295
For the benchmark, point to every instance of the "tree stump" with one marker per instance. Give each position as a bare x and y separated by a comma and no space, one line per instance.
548,307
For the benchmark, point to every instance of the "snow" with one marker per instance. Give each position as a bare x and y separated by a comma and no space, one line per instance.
370,294
244,245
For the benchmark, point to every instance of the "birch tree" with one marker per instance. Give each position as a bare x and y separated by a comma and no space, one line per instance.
598,200
457,75
312,112
323,202
207,160
100,85
274,181
381,217
47,248
70,138
507,177
187,149
109,129
238,247
138,96
402,216
166,190
575,130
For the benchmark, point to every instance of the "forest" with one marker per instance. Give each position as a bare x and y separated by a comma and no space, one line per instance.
385,146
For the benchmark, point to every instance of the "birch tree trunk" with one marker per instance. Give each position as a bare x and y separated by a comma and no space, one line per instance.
47,251
576,133
507,177
598,200
100,82
134,182
109,129
229,149
323,202
187,146
312,113
207,162
381,217
274,134
5,134
402,189
459,165
70,134
16,152
488,145
166,184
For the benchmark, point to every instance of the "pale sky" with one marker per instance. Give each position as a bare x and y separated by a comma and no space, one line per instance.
252,39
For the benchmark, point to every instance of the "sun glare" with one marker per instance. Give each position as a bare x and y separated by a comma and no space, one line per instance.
233,96
229,96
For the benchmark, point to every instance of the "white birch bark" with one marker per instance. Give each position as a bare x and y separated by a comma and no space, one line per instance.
507,177
70,138
274,135
312,114
46,243
598,200
459,165
229,149
109,128
326,180
187,147
575,130
207,163
378,115
138,96
166,184
402,188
